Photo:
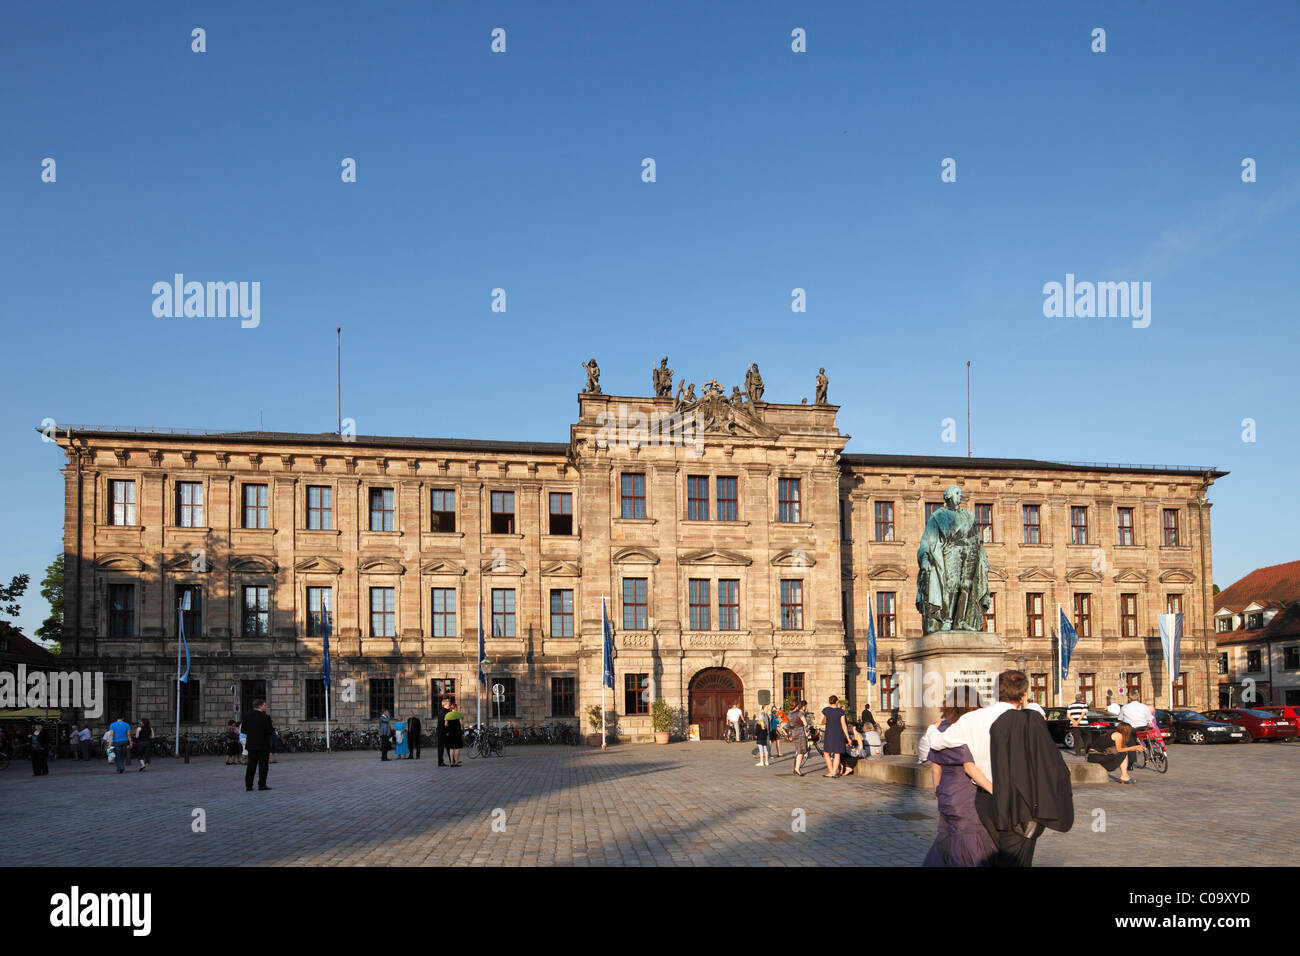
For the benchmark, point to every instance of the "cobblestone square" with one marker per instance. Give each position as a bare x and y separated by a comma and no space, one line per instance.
682,805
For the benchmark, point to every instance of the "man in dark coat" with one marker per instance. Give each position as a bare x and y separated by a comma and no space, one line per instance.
257,732
413,735
444,709
1031,787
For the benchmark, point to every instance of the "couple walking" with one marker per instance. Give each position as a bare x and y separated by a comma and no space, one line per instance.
999,778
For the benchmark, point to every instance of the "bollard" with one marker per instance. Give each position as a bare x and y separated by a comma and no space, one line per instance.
187,749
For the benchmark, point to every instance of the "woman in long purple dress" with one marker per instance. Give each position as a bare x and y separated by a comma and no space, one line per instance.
962,839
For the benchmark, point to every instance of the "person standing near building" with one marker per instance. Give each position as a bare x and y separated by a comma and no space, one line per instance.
798,718
837,735
385,734
121,732
440,728
40,759
1138,716
1077,713
774,730
760,738
401,745
258,731
233,749
83,742
452,732
144,743
733,718
413,728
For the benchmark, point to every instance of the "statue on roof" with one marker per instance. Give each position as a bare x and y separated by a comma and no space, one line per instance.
593,377
662,377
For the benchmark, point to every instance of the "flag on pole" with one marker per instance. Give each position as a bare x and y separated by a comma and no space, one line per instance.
1069,640
325,633
871,645
180,618
608,631
482,646
1171,640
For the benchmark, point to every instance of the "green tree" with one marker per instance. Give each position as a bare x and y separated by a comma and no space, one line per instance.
9,606
51,632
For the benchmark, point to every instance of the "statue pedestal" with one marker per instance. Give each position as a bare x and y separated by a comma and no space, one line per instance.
933,664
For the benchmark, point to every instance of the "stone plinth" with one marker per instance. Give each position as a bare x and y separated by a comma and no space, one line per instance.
936,662
906,770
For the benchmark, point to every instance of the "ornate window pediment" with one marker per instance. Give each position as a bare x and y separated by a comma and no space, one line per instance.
887,572
1130,576
1036,574
498,565
794,558
119,562
635,555
381,566
1082,574
185,562
562,569
715,556
318,564
442,566
1176,576
997,574
253,564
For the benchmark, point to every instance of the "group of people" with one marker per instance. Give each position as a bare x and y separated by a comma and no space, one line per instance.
404,737
843,742
120,741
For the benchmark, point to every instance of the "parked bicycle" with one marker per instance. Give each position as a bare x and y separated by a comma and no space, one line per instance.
1153,751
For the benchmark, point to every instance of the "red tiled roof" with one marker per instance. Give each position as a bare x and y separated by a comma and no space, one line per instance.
1276,585
1284,626
23,650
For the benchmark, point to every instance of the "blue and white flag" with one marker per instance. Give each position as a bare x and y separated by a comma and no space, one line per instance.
482,647
180,620
1171,640
1069,639
609,645
325,633
871,645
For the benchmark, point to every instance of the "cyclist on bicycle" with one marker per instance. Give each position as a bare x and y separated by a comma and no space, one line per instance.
1135,714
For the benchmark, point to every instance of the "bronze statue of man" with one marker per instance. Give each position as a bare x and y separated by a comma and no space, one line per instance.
952,581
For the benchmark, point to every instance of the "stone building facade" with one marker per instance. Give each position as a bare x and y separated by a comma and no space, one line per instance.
737,549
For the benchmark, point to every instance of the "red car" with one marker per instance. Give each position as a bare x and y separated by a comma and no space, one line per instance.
1282,710
1261,724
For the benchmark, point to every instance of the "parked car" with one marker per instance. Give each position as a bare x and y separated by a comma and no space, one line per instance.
1282,710
1189,727
1260,724
1058,722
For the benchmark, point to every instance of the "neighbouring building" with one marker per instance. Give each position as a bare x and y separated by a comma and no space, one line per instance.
1257,628
738,549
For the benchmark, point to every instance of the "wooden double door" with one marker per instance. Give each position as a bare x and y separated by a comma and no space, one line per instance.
712,693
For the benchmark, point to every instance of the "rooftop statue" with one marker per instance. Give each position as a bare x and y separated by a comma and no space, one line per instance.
593,377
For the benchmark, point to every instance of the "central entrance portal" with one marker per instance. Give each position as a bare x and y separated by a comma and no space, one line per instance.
712,693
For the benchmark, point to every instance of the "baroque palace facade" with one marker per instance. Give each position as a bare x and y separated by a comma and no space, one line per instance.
738,548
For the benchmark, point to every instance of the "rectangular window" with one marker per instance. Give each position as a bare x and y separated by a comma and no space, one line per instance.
1291,658
1083,615
1254,621
1254,661
1128,615
984,521
635,616
509,699
122,495
1173,604
791,605
381,697
442,510
698,596
1124,529
383,612
1078,525
121,610
1133,683
1223,663
1222,625
563,697
503,512
561,512
791,688
888,695
443,687
728,506
1034,615
562,613
257,512
320,602
443,602
503,612
884,521
636,694
1180,690
729,605
117,693
787,499
320,508
930,508
191,701
885,614
381,509
1170,525
632,489
313,693
257,611
1088,688
991,614
1038,689
250,689
189,504
192,618
1033,526
697,498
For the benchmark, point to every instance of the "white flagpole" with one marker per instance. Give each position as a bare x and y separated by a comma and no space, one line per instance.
180,625
481,654
604,665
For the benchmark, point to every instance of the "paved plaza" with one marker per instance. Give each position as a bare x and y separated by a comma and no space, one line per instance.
685,804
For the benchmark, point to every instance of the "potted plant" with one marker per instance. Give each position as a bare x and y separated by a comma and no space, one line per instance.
594,717
662,719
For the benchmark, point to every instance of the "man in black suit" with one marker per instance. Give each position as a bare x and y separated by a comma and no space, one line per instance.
258,731
444,708
413,730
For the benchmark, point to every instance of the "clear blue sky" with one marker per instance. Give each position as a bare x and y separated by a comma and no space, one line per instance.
776,170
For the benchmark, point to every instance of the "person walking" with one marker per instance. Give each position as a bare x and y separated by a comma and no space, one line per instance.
1114,750
798,719
733,718
258,731
837,736
962,839
385,734
413,728
440,728
401,744
121,732
452,731
83,742
144,743
40,759
761,726
1077,713
233,749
